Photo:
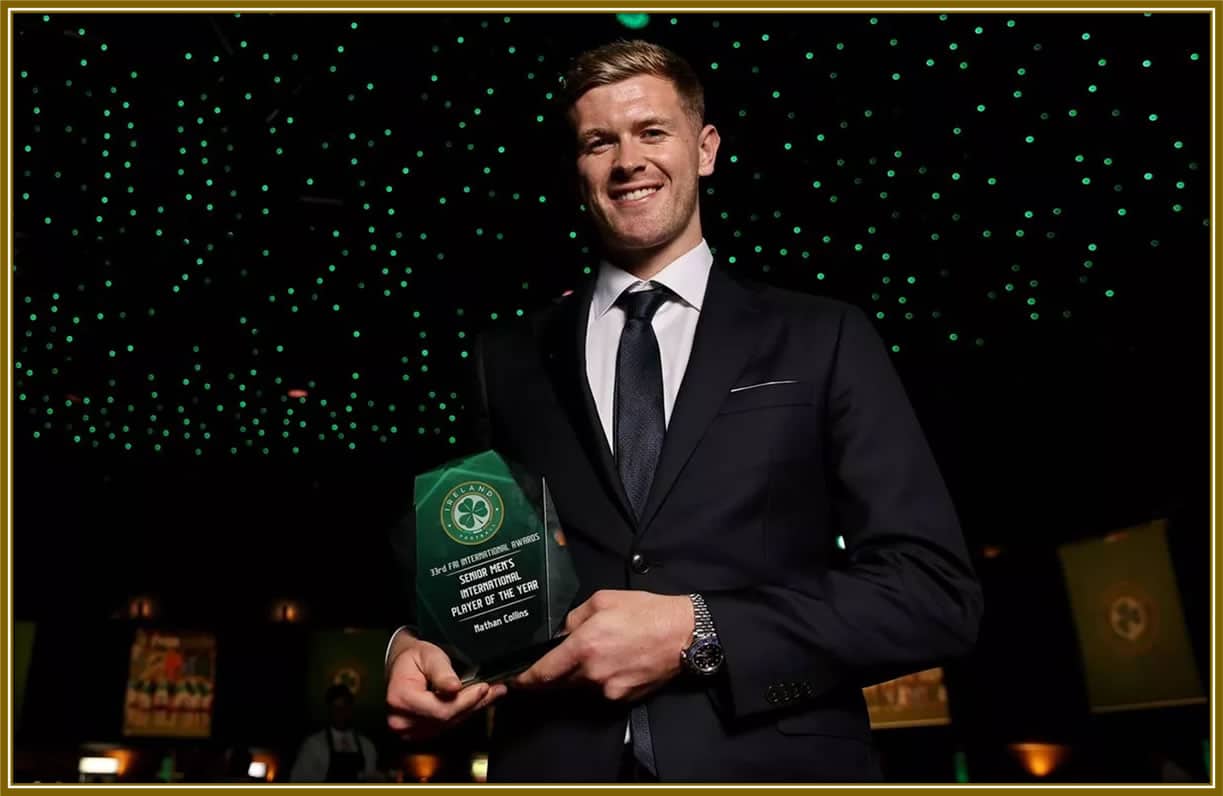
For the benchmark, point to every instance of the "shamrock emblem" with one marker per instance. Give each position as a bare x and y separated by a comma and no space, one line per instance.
349,678
1128,618
472,513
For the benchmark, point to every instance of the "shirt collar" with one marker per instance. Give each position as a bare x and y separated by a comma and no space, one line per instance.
686,277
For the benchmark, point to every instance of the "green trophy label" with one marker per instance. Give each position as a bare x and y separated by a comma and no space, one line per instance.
494,580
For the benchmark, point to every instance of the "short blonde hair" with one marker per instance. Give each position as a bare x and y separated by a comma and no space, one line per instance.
623,59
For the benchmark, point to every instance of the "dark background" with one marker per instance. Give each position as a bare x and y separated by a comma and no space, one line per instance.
1052,327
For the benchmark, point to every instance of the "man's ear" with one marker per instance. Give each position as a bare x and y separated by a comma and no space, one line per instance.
708,141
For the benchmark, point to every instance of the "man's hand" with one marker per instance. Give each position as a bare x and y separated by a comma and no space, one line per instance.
424,695
627,643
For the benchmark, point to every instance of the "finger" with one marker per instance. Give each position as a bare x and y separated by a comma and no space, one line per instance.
403,677
579,615
552,668
419,727
428,705
399,691
437,670
467,699
494,693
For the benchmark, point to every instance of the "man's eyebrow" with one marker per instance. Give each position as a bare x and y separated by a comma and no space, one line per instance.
653,121
594,132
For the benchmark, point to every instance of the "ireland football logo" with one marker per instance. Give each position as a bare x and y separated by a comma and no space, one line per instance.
472,512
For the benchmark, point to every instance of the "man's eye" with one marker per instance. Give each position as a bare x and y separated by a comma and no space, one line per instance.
654,133
597,145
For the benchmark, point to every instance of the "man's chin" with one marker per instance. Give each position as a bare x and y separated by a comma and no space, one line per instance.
632,241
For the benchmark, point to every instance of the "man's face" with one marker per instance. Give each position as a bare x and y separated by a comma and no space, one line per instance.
340,713
640,154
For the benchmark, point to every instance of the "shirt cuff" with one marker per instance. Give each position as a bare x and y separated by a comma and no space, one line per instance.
386,656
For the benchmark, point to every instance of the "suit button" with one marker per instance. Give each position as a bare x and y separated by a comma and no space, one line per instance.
639,564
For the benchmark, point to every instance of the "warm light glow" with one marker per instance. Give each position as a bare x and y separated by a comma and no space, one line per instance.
479,768
98,765
1040,758
298,393
124,758
257,769
140,608
265,760
991,551
422,767
286,611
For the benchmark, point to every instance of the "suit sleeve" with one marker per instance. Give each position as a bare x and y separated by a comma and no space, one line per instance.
907,599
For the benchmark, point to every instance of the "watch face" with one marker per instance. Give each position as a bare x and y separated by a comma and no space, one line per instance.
706,655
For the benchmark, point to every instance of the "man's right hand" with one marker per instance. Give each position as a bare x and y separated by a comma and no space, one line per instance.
424,695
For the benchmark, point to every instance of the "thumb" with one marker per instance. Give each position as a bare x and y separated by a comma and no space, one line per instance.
436,667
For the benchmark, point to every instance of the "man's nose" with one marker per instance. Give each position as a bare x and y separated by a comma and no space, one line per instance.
629,157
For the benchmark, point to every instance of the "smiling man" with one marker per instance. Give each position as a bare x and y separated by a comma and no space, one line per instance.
706,441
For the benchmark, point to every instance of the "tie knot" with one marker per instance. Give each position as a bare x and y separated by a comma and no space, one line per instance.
641,305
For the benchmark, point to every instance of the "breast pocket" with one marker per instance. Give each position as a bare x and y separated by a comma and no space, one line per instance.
765,395
841,723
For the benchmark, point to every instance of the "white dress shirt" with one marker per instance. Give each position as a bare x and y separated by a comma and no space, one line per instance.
674,326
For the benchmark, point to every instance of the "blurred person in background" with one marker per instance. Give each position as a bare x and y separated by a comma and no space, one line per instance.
337,753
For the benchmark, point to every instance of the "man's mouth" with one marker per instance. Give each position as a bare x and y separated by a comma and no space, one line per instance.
635,194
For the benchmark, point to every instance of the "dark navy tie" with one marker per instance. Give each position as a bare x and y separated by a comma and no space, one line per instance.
640,426
639,421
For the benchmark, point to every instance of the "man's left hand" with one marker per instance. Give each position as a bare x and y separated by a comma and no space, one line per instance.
627,643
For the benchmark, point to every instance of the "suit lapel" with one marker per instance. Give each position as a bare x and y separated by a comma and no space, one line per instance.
726,333
565,341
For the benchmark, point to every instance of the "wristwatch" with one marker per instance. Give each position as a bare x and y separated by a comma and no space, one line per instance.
704,655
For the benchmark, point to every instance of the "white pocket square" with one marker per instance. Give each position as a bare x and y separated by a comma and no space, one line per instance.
762,384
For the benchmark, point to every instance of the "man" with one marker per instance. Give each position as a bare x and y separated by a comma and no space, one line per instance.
706,442
337,753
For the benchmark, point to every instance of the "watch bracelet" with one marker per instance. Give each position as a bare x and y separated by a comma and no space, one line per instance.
702,620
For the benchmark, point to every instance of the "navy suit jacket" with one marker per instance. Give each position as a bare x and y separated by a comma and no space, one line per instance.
790,428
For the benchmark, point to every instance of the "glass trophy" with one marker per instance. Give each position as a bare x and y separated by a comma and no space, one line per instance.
494,581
